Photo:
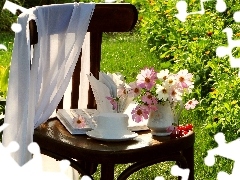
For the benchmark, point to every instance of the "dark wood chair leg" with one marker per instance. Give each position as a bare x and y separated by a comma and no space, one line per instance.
143,164
107,171
189,156
90,168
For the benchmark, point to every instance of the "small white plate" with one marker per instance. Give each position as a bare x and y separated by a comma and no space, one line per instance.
96,135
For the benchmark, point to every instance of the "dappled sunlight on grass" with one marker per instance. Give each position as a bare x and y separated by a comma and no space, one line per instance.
127,54
160,169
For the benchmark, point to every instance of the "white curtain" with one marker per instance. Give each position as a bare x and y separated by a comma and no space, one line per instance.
33,94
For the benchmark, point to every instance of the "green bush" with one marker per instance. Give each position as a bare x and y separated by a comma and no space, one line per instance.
4,73
192,45
6,18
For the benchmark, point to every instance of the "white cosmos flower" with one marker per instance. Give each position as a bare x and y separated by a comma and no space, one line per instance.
163,74
174,95
170,81
162,92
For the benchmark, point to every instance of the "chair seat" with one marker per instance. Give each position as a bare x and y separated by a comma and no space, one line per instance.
53,137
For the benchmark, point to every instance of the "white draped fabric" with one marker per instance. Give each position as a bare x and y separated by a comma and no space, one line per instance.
34,93
85,69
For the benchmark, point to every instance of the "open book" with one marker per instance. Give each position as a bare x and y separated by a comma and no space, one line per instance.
66,117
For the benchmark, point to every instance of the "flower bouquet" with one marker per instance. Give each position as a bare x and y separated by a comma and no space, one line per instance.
151,89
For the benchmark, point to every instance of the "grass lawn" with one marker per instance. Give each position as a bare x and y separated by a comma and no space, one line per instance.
126,53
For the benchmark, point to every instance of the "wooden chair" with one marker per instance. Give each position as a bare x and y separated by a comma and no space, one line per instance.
106,18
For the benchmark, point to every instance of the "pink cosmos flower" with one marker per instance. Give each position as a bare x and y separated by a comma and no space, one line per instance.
121,90
134,89
79,122
152,107
140,113
171,128
113,102
148,98
184,78
191,104
147,78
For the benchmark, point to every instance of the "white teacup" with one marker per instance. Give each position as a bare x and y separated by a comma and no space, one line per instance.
112,124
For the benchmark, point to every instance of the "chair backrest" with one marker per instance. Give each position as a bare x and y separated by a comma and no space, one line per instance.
106,18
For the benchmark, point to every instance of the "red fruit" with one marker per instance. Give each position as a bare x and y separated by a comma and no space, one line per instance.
189,127
181,127
185,133
181,131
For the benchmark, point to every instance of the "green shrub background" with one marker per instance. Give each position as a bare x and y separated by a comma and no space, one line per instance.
192,45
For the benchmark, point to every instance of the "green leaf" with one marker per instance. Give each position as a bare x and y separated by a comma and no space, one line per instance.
4,81
166,65
226,105
162,46
208,126
164,54
197,80
153,49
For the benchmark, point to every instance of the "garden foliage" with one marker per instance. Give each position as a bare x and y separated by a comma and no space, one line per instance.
192,45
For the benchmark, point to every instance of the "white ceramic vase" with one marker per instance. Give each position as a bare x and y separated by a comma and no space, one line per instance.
161,119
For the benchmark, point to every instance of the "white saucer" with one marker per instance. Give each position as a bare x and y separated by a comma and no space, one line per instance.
96,135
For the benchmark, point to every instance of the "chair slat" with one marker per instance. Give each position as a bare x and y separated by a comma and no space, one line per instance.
95,58
75,84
